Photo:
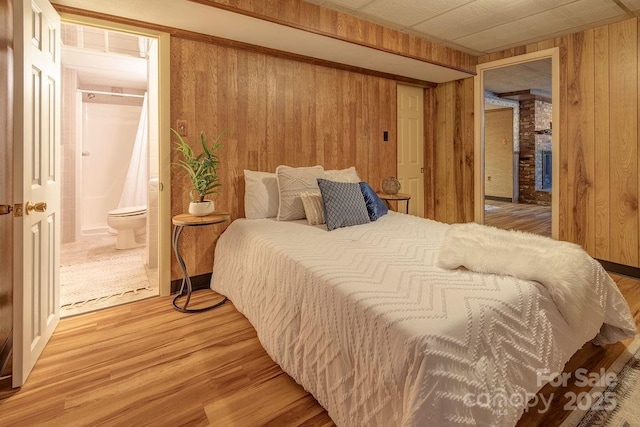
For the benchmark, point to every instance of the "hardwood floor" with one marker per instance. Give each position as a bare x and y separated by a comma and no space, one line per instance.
144,363
590,357
517,216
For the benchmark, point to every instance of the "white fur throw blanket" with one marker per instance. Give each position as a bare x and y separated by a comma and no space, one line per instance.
563,268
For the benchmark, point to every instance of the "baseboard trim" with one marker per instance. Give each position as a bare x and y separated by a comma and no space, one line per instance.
621,269
201,281
499,199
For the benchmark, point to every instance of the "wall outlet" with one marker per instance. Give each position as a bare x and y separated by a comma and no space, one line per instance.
181,127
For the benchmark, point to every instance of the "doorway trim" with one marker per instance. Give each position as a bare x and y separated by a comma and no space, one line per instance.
479,139
164,136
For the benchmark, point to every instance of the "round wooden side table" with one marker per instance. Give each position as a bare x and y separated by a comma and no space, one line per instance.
396,198
179,223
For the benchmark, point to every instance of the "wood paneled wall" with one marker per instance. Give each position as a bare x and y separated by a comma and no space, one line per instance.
276,111
311,17
449,151
284,108
599,140
6,177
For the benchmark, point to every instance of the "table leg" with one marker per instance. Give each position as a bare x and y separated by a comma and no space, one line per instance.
175,239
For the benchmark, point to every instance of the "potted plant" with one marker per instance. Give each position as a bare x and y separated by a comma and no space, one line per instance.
203,172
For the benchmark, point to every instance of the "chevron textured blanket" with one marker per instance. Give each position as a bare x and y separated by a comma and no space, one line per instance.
363,319
567,272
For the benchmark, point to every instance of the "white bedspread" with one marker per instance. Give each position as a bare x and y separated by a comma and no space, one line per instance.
363,319
563,268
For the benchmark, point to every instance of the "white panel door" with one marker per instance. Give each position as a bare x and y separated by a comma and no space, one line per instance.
411,146
37,185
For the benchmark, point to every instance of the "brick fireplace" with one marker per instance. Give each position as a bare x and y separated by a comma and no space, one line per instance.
535,152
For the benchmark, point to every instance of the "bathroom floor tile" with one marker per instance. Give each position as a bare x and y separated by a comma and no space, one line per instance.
101,248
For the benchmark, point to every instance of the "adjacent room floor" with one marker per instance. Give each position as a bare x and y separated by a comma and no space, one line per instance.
518,216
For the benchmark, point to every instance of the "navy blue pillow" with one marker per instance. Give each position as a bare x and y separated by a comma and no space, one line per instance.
343,204
375,206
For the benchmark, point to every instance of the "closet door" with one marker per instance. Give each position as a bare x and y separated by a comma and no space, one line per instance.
411,146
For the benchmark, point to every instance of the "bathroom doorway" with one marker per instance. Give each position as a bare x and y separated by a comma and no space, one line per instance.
110,168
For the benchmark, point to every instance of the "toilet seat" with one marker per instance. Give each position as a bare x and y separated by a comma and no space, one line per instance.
128,223
130,211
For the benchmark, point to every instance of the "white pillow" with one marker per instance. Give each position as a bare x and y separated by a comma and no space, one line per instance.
342,175
292,182
260,195
312,203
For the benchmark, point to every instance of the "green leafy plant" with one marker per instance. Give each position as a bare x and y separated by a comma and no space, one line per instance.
203,167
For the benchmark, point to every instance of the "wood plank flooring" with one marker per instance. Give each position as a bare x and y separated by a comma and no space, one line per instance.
517,216
144,363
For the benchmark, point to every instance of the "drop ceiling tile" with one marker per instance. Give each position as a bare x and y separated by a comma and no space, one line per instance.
409,12
467,19
517,9
486,25
517,32
434,6
535,75
633,5
587,12
484,43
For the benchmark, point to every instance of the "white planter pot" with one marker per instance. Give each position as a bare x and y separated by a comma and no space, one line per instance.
201,208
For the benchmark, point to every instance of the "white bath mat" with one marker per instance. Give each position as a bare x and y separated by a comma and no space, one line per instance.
93,281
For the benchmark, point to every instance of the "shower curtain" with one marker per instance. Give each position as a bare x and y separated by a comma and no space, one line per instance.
136,184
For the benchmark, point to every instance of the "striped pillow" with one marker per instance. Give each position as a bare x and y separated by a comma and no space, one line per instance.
312,203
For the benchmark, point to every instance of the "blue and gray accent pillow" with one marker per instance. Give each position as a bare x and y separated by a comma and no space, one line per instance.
343,204
375,206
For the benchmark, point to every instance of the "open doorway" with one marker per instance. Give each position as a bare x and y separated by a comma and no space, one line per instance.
110,168
514,144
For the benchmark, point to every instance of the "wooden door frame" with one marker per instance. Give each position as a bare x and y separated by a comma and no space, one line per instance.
164,120
479,140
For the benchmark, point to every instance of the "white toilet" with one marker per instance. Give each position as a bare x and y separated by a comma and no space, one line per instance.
130,223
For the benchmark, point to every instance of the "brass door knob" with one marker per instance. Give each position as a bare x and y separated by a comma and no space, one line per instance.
38,207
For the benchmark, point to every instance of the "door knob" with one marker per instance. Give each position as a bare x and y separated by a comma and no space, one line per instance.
38,207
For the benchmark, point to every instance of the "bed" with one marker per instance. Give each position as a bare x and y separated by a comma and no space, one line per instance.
364,320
